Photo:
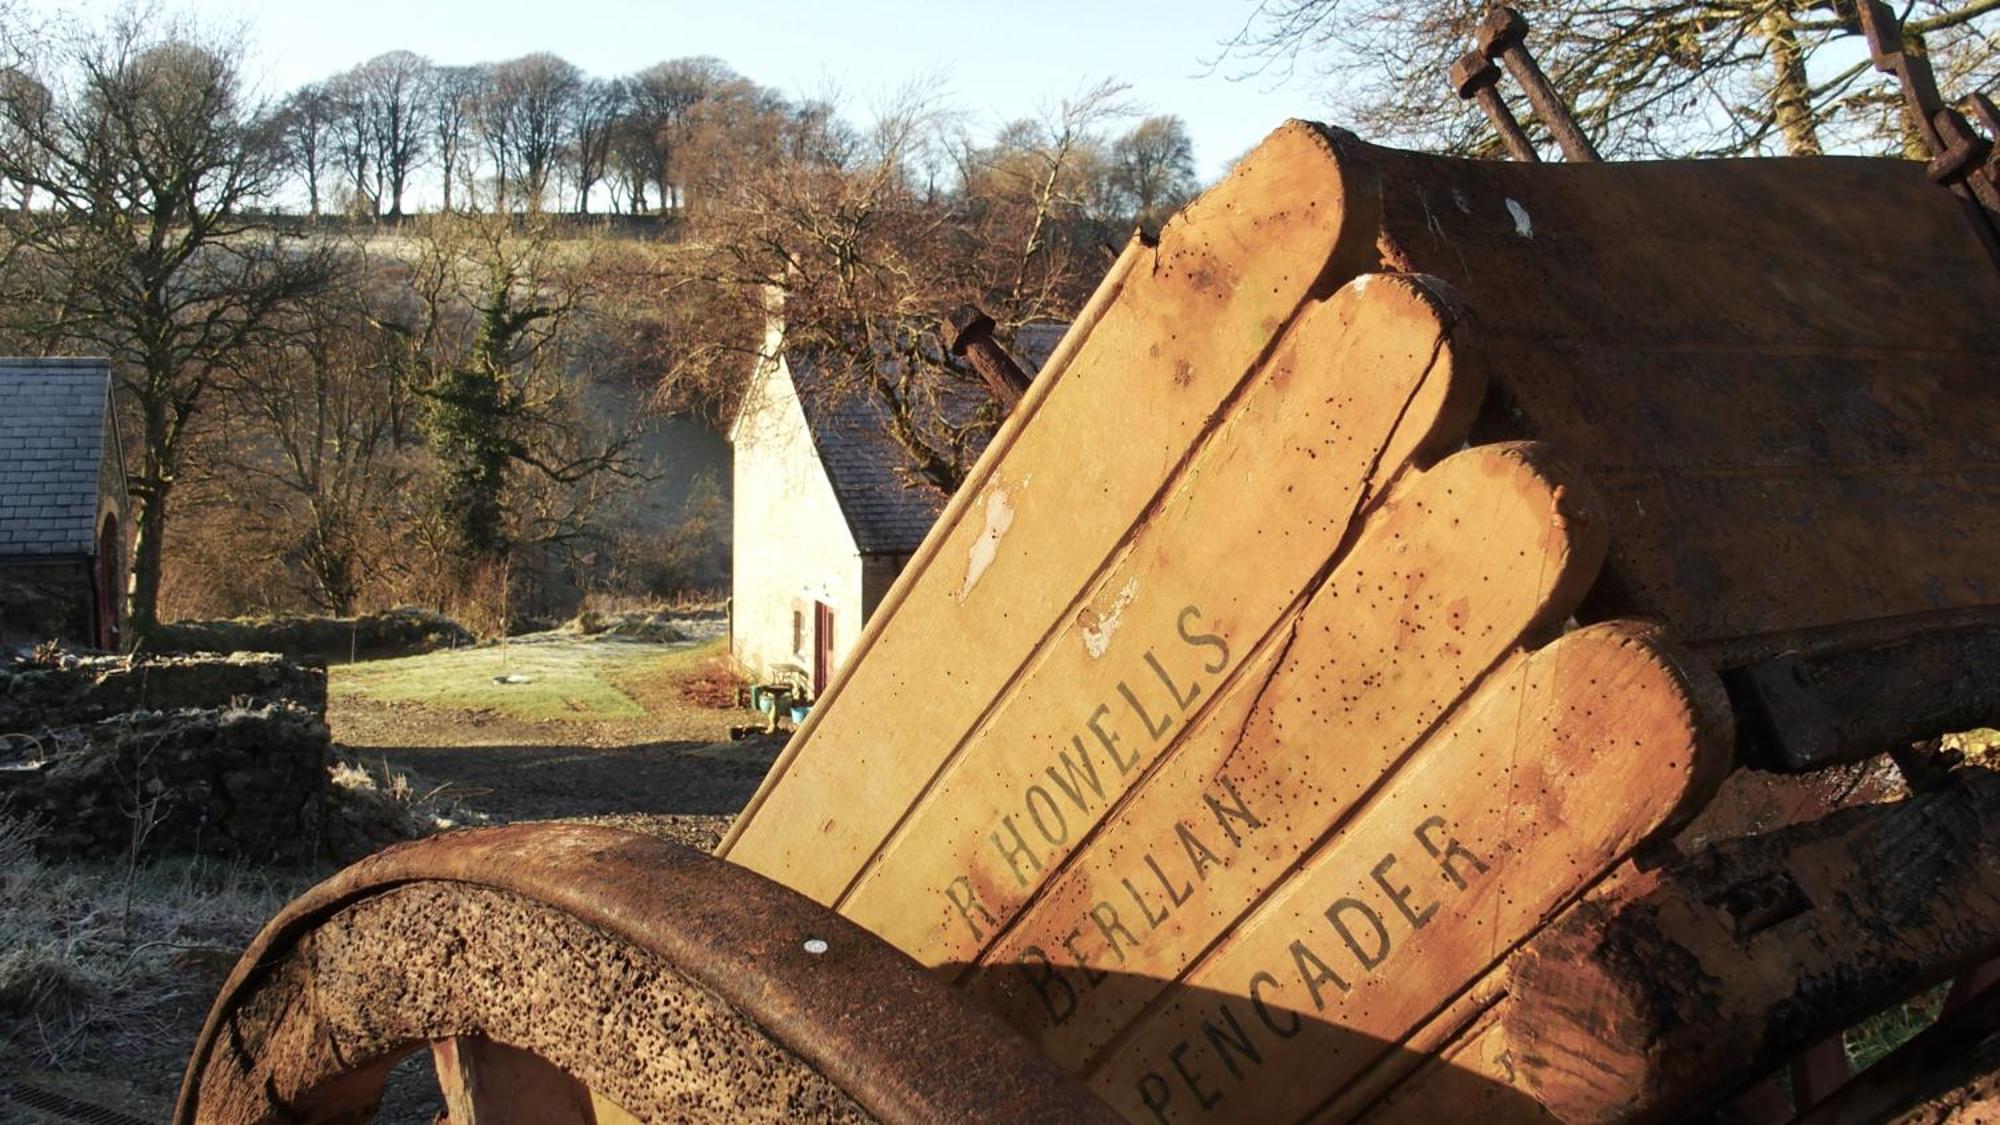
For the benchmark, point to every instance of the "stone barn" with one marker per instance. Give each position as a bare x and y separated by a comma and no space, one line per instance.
63,524
823,520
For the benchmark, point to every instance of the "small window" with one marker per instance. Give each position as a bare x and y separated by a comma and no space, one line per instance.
798,632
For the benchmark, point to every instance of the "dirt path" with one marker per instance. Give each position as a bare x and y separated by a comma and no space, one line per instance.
687,791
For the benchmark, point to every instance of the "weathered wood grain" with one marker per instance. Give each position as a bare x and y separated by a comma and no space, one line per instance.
1363,383
1785,440
488,1083
1650,1002
1443,1034
1564,760
1469,1079
1193,319
1491,544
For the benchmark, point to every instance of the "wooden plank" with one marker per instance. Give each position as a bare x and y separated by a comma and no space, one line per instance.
1363,383
1404,1076
1824,709
1293,221
1649,1003
1697,335
489,1083
1489,829
1441,1035
1470,1080
1491,544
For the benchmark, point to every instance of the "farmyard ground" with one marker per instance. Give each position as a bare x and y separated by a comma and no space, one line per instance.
113,970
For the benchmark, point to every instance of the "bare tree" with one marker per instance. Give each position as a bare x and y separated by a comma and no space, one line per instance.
599,106
147,156
318,419
394,97
18,87
664,100
353,148
455,96
847,236
524,120
1659,78
305,125
1152,169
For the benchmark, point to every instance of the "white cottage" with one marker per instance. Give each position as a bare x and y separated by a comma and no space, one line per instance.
823,522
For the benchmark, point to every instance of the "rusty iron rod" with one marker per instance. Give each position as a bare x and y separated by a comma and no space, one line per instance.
1955,150
1980,108
1475,78
1921,100
1503,35
970,334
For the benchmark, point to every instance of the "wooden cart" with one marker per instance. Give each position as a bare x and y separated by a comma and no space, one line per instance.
1378,672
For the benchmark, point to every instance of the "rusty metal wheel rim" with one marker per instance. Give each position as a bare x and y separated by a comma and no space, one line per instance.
869,1020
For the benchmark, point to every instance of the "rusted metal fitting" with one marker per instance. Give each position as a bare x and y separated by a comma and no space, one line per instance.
1963,149
1501,30
1884,34
967,325
1472,73
1475,78
1503,35
1980,108
969,332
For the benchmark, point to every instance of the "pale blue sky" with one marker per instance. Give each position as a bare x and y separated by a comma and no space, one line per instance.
1003,59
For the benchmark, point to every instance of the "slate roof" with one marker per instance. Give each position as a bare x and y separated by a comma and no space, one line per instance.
888,511
51,445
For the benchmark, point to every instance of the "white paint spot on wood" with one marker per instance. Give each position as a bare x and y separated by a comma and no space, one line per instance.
986,548
815,946
1523,226
1097,633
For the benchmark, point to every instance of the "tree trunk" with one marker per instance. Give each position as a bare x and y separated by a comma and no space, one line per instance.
1791,90
142,606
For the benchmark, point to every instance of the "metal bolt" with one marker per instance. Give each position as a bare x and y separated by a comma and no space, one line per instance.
1475,78
1503,35
970,334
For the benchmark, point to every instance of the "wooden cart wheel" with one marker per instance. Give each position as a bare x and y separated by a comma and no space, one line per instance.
567,973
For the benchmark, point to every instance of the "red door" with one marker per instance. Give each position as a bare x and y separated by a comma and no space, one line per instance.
109,572
822,647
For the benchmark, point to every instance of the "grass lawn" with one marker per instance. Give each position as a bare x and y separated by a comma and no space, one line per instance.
575,680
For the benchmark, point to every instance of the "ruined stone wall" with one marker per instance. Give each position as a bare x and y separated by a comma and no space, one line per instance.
71,689
234,783
212,755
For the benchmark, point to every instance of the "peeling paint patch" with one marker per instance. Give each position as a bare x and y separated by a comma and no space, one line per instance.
1098,628
1523,226
986,548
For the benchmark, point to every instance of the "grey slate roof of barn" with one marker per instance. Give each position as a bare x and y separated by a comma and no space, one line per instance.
51,445
888,511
